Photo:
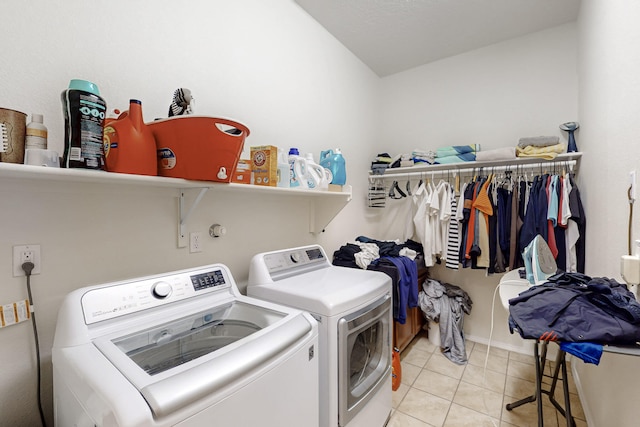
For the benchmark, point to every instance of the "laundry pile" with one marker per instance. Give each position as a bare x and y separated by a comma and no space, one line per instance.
555,311
446,155
447,304
397,260
544,147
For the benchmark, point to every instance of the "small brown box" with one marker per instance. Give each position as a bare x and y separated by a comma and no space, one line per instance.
264,165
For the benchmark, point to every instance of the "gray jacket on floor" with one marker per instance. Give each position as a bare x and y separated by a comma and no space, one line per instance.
447,304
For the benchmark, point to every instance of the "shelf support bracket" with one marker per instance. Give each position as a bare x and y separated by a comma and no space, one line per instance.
185,214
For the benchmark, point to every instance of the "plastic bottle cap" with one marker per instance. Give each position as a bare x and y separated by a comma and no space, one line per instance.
293,151
37,118
84,85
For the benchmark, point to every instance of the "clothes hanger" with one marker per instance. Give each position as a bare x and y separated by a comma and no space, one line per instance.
392,191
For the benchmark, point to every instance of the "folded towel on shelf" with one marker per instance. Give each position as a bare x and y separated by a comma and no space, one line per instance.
538,141
547,153
380,163
454,150
383,158
420,156
506,153
460,158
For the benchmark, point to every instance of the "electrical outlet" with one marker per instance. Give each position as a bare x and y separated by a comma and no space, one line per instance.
24,253
195,242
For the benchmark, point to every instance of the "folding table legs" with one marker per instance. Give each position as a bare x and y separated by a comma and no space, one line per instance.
540,359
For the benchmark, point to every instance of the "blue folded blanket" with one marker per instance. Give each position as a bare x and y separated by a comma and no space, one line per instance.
455,150
460,158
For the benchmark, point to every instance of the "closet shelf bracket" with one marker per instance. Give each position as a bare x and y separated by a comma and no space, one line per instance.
186,213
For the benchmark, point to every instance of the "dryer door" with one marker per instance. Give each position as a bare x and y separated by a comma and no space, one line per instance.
364,356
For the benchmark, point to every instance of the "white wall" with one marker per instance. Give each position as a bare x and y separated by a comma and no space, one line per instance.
266,64
492,96
609,63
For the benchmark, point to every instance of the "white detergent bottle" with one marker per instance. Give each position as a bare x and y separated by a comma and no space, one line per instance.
296,162
302,172
284,174
315,174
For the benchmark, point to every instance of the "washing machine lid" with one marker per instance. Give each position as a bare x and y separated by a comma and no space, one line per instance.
176,337
326,291
177,363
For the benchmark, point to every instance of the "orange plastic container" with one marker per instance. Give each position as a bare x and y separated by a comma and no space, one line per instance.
129,145
198,147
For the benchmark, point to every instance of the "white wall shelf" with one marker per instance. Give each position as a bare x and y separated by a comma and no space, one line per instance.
323,205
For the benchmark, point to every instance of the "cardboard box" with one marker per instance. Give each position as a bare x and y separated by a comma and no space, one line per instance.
264,165
242,174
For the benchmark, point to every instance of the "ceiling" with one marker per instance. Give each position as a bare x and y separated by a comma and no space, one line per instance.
391,36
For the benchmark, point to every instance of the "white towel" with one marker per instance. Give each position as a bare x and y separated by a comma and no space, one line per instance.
506,153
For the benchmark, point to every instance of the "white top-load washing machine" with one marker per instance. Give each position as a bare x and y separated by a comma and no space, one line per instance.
354,310
183,348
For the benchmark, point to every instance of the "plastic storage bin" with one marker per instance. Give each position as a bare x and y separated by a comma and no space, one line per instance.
198,147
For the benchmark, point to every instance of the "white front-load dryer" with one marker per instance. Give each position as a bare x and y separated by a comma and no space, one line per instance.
354,311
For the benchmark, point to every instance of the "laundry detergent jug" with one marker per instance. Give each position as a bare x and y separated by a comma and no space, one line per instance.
334,161
310,174
129,145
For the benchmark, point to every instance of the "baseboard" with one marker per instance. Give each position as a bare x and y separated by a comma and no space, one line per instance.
526,348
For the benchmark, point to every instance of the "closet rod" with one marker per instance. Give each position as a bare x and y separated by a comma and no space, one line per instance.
571,164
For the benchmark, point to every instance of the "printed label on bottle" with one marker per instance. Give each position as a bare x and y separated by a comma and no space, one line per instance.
166,158
36,132
35,142
84,116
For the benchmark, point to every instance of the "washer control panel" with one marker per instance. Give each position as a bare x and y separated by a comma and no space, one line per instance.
122,298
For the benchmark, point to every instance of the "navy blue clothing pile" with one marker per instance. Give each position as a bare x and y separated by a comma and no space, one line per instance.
402,270
572,307
405,286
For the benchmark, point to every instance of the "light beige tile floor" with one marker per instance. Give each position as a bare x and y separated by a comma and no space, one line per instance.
436,392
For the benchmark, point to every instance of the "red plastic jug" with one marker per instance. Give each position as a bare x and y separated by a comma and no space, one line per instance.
129,145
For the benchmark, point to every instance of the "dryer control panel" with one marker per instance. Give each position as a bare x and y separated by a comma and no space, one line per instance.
122,298
295,260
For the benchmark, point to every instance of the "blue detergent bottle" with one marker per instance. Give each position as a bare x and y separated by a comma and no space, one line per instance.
334,161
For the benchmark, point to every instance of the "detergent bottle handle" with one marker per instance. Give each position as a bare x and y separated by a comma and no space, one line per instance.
315,173
301,167
326,153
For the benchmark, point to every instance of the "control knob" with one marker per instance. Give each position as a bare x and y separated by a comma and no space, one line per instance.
295,257
161,290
